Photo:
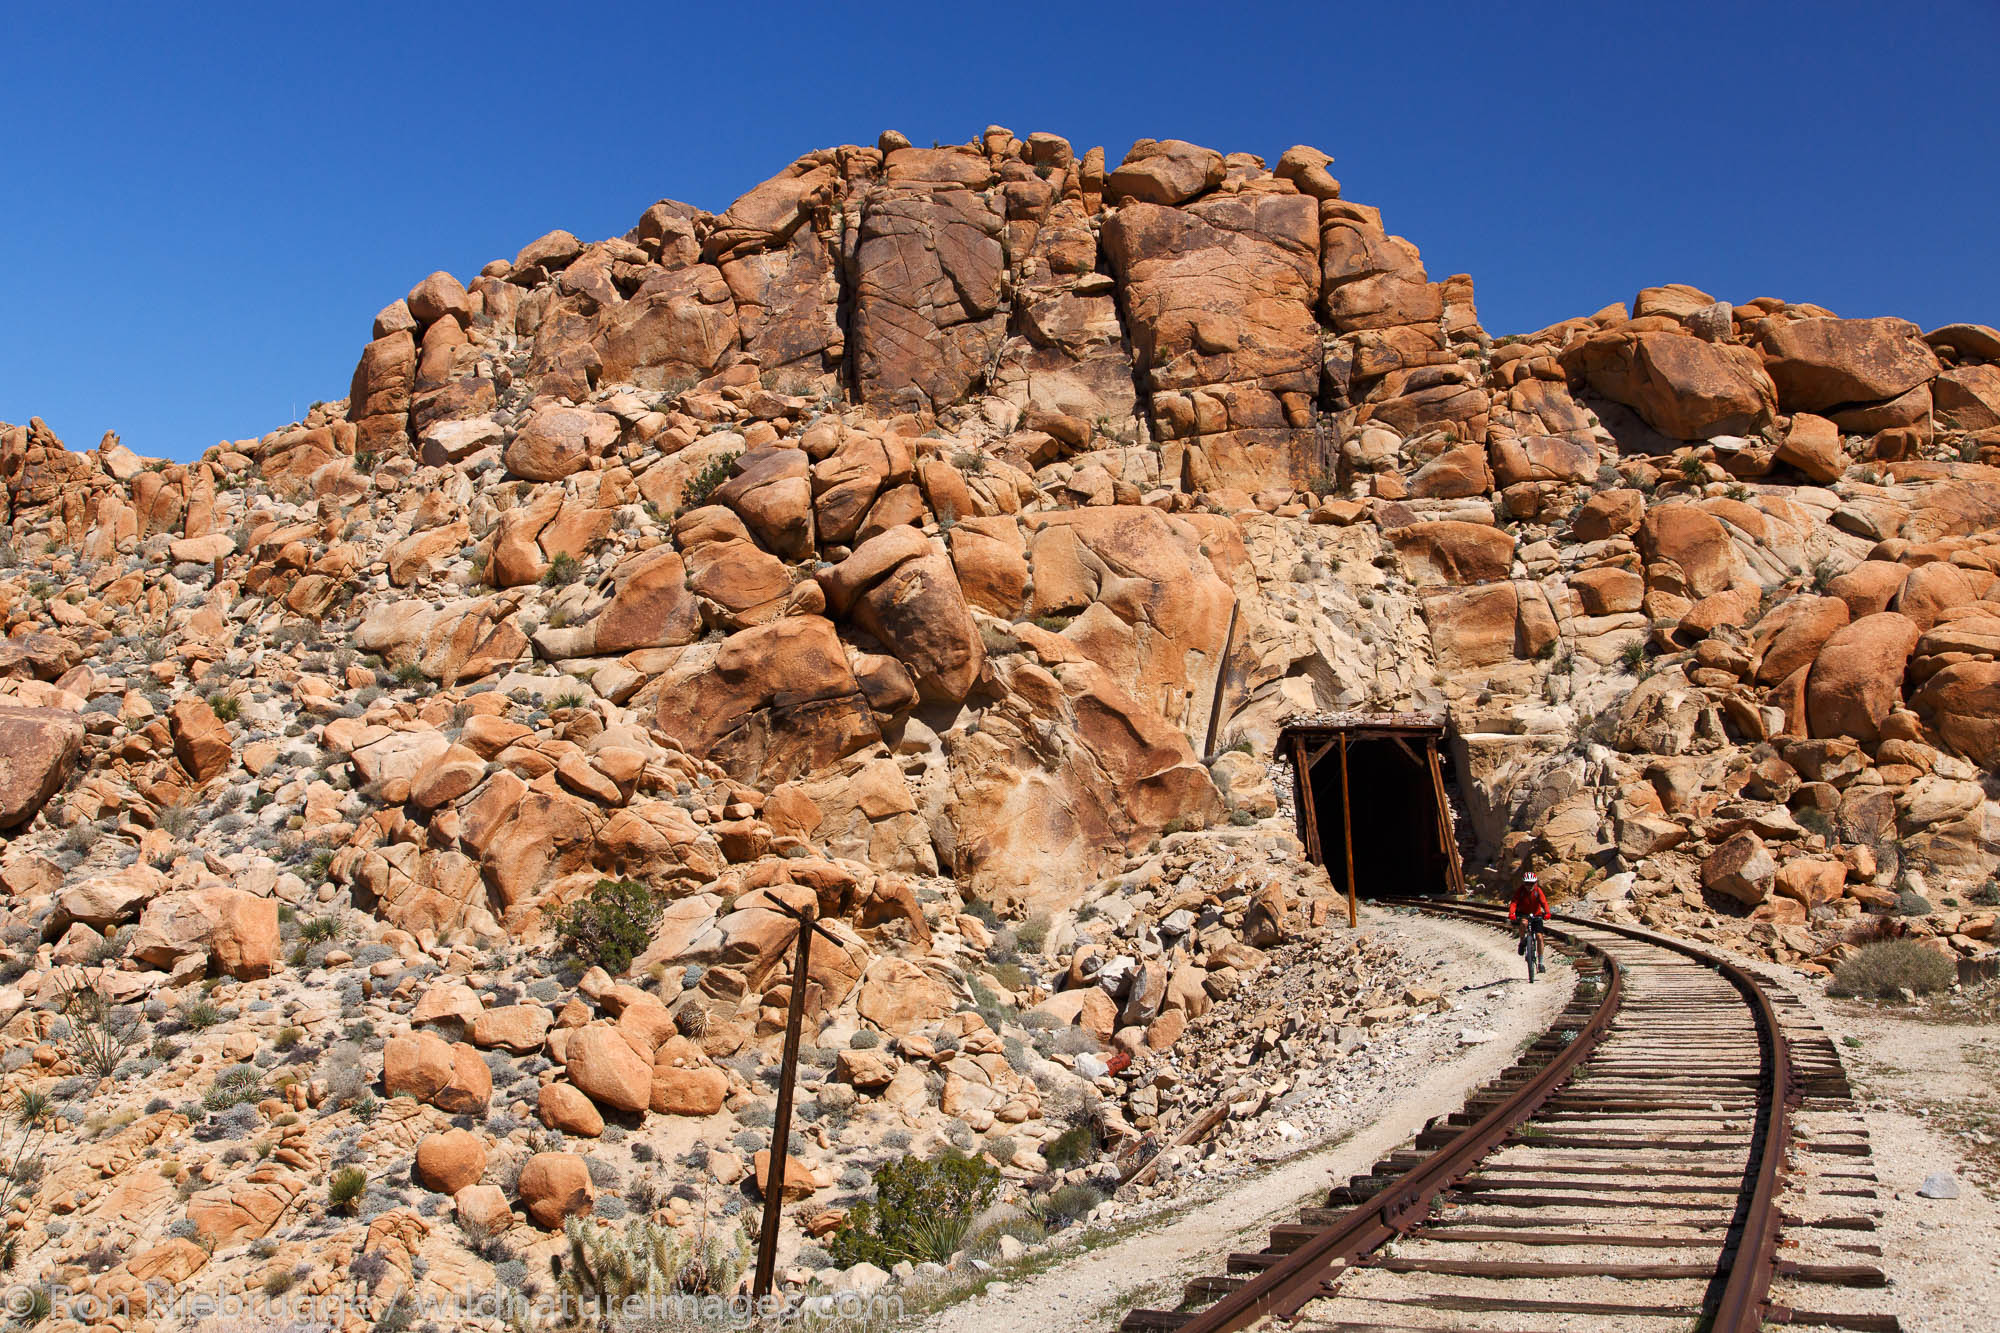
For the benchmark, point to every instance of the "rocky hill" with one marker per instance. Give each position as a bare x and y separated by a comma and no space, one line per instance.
937,538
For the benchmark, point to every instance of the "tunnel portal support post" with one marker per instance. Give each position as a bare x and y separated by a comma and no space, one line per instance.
1419,779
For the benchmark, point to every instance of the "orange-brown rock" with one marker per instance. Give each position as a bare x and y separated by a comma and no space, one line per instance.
1790,637
1962,702
450,1160
1608,514
1683,387
777,698
798,1180
1812,445
450,1077
201,741
557,441
237,930
554,1186
38,746
602,1063
1451,552
1692,543
561,1107
1824,363
1857,678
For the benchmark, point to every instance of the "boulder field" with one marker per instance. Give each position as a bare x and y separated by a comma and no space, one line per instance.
936,540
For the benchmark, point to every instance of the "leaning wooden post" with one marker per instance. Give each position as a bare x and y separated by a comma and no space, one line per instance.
781,1128
1347,832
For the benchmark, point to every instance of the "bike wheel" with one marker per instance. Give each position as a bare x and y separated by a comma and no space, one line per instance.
1533,955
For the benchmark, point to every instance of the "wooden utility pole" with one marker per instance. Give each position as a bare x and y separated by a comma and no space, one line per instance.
781,1127
1347,832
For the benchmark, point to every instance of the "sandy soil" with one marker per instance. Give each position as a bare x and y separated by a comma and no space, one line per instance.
1924,1089
1148,1266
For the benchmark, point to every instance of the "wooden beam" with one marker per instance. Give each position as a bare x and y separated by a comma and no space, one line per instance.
1454,870
1347,834
781,1127
1302,773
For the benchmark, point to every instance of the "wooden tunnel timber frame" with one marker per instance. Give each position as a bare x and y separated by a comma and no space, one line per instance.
1415,736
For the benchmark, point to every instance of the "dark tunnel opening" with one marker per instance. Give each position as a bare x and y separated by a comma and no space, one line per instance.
1396,808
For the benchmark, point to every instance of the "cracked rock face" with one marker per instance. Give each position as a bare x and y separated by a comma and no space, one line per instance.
938,541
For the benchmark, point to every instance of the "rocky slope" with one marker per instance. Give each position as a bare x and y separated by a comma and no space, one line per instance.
937,538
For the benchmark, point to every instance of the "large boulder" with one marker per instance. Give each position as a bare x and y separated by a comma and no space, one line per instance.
555,1186
1741,868
449,1161
449,1076
1684,387
1448,551
1857,678
775,699
929,270
1693,543
238,931
603,1064
37,747
1824,363
903,590
564,1109
201,740
1791,636
1962,703
110,899
1169,171
557,441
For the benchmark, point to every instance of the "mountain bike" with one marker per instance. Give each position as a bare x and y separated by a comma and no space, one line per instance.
1531,944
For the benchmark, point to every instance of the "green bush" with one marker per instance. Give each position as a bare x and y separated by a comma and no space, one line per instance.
702,485
1062,1207
1075,1146
563,570
611,926
1879,970
920,1206
409,674
226,707
346,1187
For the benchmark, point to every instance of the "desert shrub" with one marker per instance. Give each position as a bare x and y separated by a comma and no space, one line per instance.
1881,969
610,926
232,1087
702,485
866,1039
921,1210
1075,1146
563,570
1069,1204
983,1239
346,1187
102,1034
226,707
199,1014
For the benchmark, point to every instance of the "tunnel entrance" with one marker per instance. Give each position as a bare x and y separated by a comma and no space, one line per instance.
1371,795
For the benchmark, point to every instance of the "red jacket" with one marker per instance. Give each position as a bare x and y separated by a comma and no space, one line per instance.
1529,900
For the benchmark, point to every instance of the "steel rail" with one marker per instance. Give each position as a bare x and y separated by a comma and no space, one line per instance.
1745,1298
1300,1277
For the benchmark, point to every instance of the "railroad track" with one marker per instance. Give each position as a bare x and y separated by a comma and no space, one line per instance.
1627,1172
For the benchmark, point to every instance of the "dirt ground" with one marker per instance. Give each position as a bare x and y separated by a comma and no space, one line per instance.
1928,1080
1148,1265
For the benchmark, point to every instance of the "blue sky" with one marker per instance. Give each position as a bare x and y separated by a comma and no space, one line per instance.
208,203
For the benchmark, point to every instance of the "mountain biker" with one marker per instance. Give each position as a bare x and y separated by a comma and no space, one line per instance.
1528,910
1529,900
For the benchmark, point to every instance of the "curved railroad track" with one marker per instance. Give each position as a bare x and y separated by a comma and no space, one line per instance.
1625,1173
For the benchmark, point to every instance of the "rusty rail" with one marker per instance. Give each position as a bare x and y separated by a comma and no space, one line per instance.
1288,1286
1300,1278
